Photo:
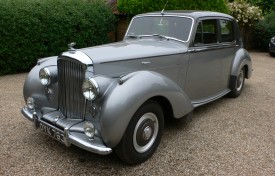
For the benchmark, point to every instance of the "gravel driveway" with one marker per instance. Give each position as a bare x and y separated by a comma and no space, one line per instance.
226,137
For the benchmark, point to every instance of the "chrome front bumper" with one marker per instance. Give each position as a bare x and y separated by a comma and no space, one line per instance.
71,137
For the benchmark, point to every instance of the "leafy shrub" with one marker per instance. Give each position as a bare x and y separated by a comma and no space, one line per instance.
133,7
264,30
247,16
31,29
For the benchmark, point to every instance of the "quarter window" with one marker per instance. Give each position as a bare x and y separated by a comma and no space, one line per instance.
227,31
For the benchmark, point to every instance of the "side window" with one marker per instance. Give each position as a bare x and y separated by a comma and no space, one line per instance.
227,31
198,36
206,32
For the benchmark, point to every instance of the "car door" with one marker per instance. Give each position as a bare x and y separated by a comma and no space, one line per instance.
209,62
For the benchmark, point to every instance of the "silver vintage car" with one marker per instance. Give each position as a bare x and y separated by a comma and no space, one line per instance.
115,97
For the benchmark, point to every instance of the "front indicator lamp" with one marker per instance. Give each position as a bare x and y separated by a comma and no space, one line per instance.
30,103
45,76
90,89
89,130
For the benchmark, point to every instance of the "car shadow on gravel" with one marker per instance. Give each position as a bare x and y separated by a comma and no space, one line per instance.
184,122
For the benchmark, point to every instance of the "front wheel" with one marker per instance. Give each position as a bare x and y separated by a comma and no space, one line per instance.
142,135
238,85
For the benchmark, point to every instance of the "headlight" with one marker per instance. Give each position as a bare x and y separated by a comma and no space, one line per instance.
45,76
273,40
90,89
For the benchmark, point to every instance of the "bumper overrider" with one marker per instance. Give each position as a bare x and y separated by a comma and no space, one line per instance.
70,134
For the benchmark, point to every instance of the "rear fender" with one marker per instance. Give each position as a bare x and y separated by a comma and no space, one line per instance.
241,59
125,96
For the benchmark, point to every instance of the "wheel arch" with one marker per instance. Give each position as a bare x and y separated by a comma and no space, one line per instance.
241,59
165,106
246,71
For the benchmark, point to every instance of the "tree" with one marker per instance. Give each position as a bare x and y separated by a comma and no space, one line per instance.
266,5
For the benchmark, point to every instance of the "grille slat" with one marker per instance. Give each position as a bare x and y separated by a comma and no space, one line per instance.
71,75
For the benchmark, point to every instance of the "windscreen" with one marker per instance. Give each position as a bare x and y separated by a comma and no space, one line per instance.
170,26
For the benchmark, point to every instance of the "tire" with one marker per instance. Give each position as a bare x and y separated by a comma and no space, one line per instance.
238,85
142,135
272,54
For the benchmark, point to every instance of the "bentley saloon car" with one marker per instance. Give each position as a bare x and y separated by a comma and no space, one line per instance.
115,97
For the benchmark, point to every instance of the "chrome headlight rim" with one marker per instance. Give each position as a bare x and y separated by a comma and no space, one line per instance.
90,89
45,76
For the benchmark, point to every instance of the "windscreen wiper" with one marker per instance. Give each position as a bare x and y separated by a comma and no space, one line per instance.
151,35
154,35
160,36
132,36
167,37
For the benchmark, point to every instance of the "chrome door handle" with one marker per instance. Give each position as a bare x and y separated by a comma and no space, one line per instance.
145,63
192,50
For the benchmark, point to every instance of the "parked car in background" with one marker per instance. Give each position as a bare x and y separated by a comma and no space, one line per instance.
272,47
115,97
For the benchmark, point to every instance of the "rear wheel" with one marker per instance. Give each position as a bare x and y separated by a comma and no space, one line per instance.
238,85
142,135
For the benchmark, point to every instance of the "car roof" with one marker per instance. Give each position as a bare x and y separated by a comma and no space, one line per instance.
190,13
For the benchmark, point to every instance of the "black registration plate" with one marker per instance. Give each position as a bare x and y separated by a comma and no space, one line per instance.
51,131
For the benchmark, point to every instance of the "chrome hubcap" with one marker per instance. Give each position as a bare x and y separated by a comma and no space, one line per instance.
239,83
145,132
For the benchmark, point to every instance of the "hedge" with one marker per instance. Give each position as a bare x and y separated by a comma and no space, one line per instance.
32,29
133,7
263,31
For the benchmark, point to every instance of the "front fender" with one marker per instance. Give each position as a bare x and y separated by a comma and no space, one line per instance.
241,59
33,87
123,99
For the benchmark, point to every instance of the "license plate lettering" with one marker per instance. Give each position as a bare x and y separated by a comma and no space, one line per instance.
52,132
59,136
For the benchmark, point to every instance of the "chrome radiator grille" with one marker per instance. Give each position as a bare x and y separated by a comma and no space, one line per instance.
71,75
